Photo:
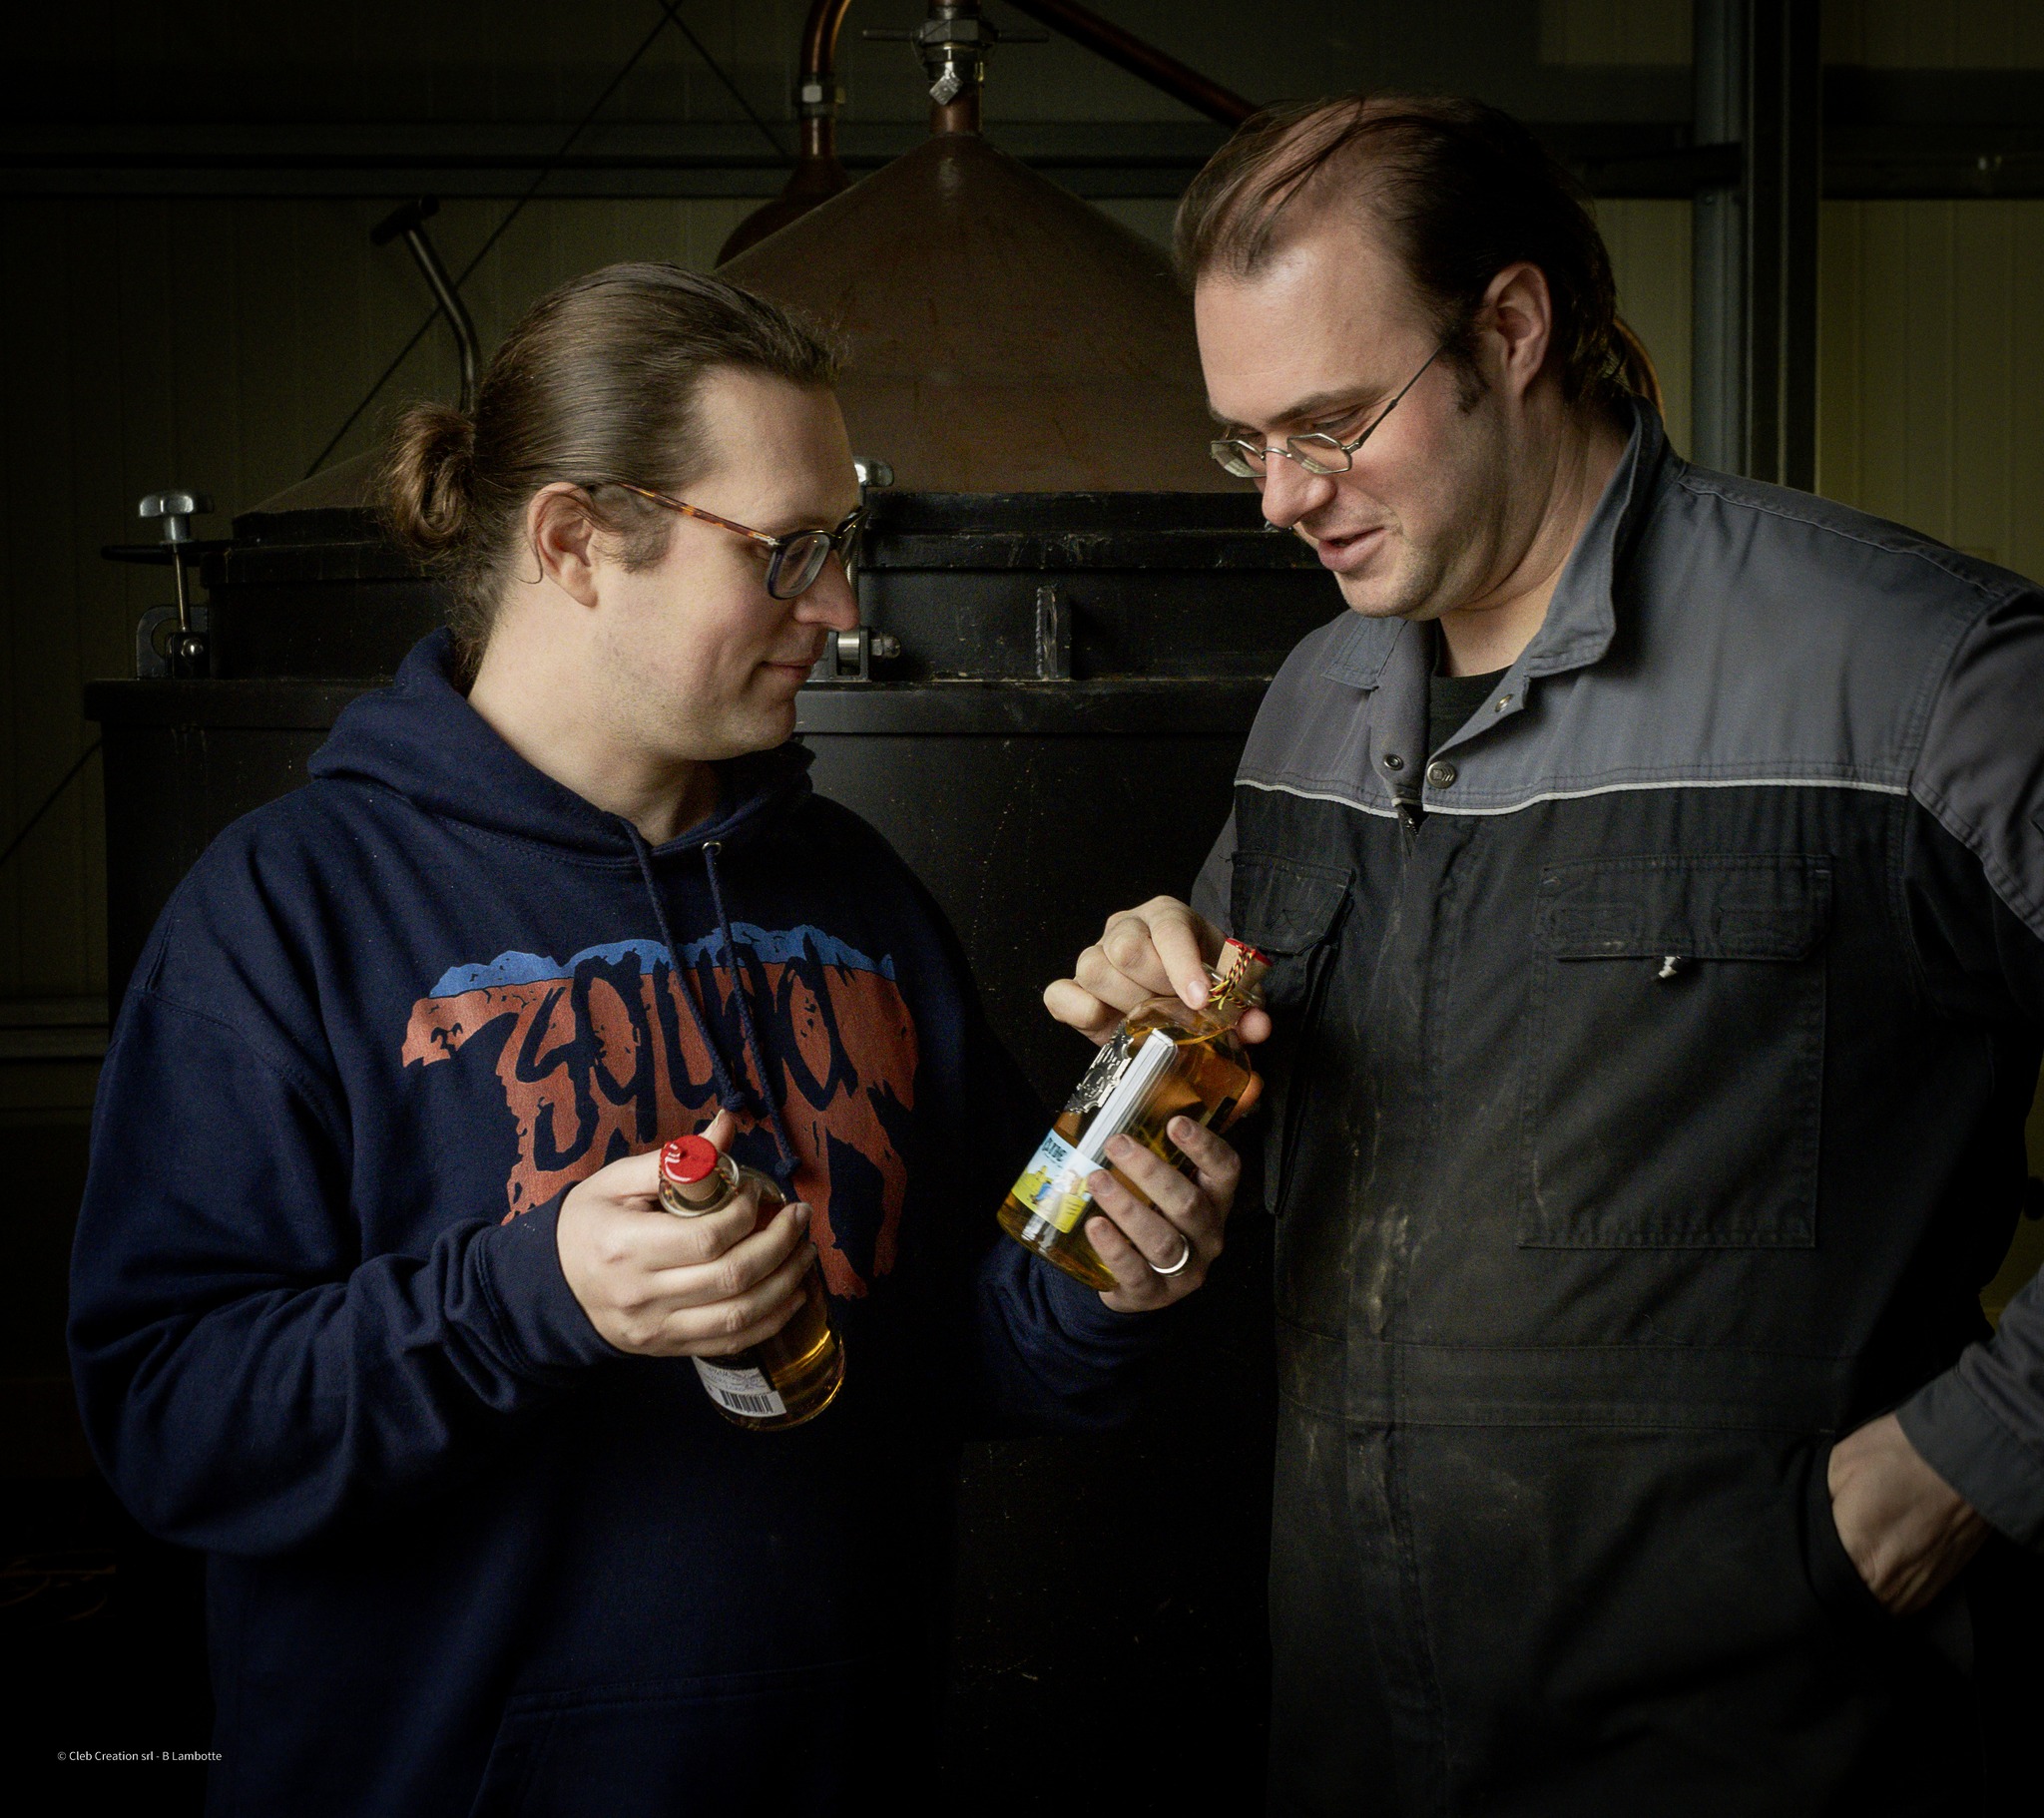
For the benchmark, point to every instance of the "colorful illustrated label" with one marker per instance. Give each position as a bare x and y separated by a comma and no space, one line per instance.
741,1391
1053,1185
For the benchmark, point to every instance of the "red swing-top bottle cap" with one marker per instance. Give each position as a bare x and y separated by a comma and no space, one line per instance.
687,1160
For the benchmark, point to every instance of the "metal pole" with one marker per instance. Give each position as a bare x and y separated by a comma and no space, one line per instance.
1717,381
1785,191
1759,86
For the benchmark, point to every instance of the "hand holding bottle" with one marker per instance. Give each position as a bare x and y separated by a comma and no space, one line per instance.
1162,946
1141,1232
661,1286
1130,1190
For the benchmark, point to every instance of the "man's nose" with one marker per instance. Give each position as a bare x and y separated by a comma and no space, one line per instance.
829,599
1290,492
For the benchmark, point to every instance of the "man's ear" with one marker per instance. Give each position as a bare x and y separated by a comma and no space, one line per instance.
1518,318
561,537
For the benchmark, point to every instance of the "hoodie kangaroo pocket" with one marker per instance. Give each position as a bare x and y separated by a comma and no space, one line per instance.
737,1745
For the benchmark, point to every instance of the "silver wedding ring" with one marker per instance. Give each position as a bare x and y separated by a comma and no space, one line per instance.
1184,1256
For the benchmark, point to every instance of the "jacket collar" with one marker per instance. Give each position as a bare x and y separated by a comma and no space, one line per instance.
1581,618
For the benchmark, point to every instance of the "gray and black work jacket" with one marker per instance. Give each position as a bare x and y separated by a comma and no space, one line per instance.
1647,1110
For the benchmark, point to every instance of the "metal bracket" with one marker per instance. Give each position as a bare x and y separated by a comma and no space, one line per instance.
953,43
850,655
1053,636
168,645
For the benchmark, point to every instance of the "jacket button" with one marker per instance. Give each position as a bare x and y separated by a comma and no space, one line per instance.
1392,762
1441,773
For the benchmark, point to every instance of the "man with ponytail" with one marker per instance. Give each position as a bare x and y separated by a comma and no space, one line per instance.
372,1297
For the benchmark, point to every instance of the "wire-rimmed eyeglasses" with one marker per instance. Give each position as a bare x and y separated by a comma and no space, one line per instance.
1318,452
798,558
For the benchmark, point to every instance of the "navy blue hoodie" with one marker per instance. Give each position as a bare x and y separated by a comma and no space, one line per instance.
463,1555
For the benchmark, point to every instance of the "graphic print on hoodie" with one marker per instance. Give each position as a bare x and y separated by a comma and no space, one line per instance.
601,1056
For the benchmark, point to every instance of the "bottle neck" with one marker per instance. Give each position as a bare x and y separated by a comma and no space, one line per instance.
1234,985
694,1197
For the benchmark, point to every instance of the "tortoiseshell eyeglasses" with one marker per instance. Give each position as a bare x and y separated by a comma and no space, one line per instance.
797,559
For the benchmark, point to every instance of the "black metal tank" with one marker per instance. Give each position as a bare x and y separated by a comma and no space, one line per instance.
1041,712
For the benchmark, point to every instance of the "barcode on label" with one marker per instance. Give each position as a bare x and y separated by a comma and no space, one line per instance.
741,1391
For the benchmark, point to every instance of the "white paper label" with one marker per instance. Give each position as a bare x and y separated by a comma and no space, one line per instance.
1053,1185
740,1391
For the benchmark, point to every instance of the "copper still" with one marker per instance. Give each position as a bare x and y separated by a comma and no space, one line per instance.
1002,335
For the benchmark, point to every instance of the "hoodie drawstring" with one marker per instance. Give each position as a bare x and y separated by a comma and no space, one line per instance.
730,1095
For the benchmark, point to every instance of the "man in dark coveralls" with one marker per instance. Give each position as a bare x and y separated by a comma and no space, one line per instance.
1654,863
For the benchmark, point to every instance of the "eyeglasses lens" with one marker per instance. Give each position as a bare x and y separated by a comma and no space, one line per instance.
1238,458
1319,454
798,563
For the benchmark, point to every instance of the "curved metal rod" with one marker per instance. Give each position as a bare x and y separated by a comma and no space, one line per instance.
455,310
409,220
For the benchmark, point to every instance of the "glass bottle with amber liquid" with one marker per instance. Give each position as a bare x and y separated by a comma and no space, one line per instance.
792,1376
1166,1061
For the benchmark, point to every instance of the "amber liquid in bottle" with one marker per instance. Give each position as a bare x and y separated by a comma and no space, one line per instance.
792,1376
1166,1061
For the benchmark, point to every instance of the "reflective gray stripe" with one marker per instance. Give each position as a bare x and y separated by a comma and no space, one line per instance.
1437,806
1385,809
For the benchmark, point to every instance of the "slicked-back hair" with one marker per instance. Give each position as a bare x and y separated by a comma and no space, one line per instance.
1459,191
599,383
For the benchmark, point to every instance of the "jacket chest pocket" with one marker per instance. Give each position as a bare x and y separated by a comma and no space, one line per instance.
1289,911
1674,1068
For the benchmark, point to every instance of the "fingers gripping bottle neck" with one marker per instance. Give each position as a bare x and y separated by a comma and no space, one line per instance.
792,1376
1164,1062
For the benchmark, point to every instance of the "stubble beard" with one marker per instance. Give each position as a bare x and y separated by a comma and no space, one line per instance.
1412,590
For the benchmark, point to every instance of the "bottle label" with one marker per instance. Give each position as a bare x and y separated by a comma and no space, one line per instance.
740,1391
1053,1185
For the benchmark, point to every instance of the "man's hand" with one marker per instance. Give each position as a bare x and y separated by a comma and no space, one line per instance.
661,1286
1160,950
1169,1219
1905,1529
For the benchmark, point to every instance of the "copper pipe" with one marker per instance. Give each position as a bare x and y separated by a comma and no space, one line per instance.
1129,52
820,72
959,115
818,176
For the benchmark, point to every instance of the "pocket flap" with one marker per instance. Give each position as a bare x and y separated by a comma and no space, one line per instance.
1772,906
1282,907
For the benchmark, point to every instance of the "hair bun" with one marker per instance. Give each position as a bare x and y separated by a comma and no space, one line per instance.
427,487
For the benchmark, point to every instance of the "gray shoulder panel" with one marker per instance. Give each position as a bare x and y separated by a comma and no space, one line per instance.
1763,636
1982,772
